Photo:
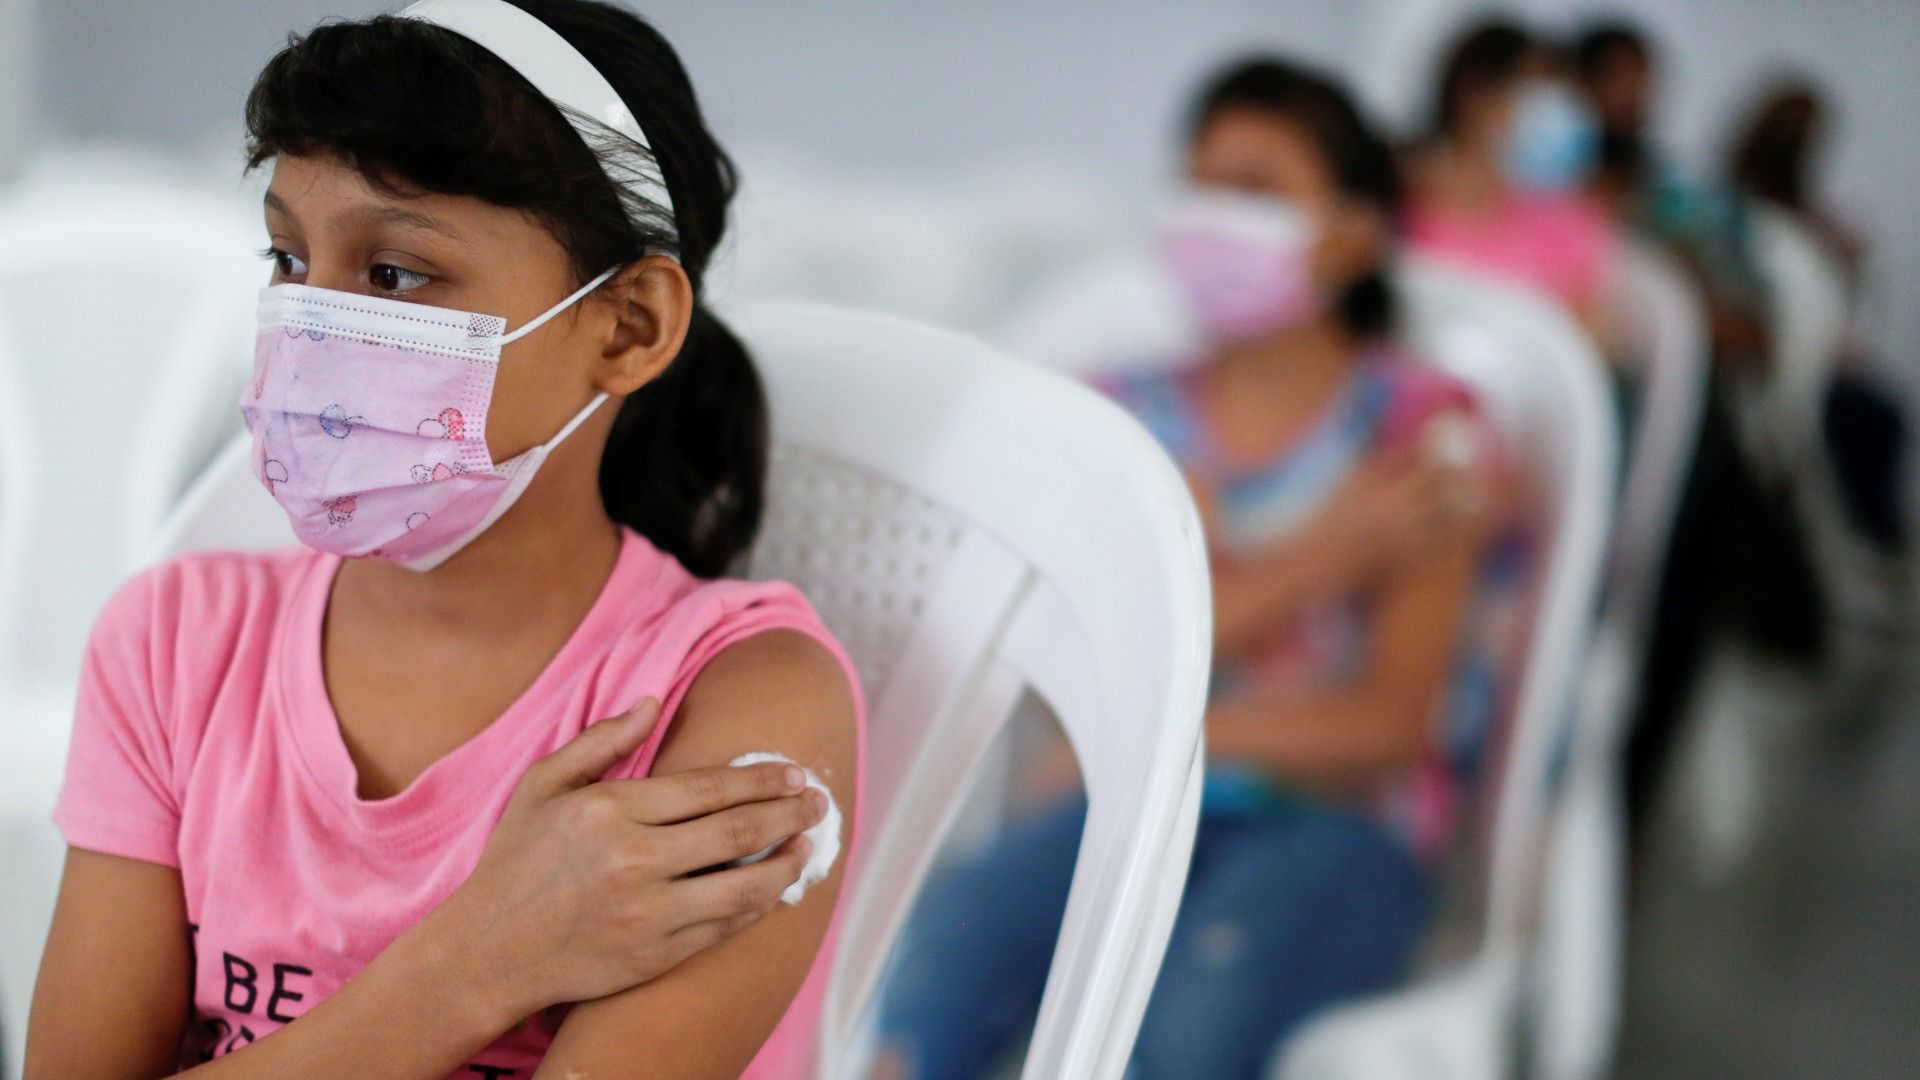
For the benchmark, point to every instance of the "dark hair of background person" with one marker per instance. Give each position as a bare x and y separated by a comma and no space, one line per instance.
1601,42
1773,157
1486,56
1362,164
411,106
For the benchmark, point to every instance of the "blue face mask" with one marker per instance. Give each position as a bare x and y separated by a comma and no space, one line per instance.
1554,141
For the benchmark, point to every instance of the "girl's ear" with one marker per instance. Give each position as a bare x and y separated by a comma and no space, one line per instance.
652,309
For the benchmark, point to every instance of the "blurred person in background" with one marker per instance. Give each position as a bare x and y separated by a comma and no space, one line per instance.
1704,227
1615,63
1775,163
1742,564
1498,185
1774,159
1646,195
438,791
1348,494
1633,180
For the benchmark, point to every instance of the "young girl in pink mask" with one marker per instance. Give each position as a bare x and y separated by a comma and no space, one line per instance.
1347,496
447,791
1499,183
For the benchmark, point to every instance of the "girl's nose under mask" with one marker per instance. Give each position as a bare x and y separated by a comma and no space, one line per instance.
1242,263
369,421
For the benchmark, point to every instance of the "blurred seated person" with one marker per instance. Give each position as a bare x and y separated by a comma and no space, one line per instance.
1703,224
1632,180
1615,63
1741,564
1497,186
1349,499
1774,166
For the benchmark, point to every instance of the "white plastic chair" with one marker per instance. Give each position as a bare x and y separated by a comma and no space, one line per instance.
969,526
1577,973
1664,325
19,491
1115,312
1778,419
19,502
1807,322
127,304
132,385
1541,380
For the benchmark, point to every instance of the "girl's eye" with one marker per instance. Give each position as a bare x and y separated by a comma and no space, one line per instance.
387,277
285,264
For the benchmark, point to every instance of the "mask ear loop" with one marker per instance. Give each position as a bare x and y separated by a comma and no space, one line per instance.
541,320
578,419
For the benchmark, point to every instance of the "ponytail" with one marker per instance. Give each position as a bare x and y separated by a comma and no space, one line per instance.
686,462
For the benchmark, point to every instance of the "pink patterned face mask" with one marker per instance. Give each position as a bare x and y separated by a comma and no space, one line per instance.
369,421
1242,263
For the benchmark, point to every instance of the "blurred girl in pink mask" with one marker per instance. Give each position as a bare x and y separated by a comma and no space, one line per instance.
1347,494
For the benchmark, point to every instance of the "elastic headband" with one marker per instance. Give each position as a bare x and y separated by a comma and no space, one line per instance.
574,85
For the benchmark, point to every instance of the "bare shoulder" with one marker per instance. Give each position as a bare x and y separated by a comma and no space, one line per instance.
781,691
789,665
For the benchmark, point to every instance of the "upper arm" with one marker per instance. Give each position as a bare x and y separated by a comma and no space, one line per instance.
116,981
119,793
1414,636
1418,615
780,691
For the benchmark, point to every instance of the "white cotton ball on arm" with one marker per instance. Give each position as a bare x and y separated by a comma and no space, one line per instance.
1450,440
824,835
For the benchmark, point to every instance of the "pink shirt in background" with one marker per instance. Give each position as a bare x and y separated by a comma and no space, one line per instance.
204,740
1560,244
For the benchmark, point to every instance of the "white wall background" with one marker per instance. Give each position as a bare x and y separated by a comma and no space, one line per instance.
923,90
17,83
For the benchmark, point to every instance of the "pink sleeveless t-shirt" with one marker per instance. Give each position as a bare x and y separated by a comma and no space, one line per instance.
204,740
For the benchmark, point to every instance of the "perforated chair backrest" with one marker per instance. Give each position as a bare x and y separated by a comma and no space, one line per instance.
1541,379
974,526
133,383
969,526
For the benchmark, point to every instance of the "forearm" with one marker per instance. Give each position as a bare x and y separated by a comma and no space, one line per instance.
1334,740
1251,597
416,1013
1355,733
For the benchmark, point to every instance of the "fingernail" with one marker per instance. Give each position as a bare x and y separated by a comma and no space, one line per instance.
795,778
818,802
804,846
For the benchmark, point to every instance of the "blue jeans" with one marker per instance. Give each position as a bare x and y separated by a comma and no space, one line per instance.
1286,911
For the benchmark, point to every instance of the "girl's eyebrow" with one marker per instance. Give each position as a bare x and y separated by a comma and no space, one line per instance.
400,215
397,215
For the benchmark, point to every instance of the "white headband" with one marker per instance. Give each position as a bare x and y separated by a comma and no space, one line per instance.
571,82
